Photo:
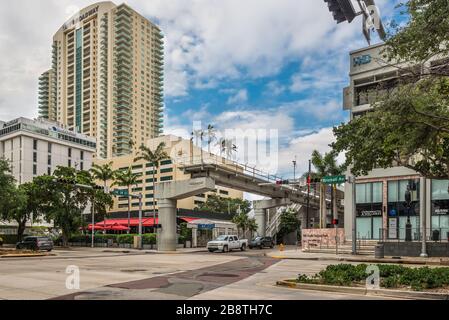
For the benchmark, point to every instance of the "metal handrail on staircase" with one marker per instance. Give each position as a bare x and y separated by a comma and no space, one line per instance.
274,223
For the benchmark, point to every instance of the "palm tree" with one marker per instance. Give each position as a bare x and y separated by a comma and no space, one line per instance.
325,165
229,147
240,221
252,226
210,136
153,157
199,134
127,179
103,173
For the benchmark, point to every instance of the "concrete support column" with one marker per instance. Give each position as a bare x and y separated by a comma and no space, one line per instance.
260,216
194,237
167,218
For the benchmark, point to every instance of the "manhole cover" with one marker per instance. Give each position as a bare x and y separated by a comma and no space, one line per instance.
220,275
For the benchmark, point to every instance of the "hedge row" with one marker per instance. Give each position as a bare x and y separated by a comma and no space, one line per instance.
391,276
120,238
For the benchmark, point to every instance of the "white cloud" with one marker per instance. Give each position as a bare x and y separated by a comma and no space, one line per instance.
303,147
274,88
240,97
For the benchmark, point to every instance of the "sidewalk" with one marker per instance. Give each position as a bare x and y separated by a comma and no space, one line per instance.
297,254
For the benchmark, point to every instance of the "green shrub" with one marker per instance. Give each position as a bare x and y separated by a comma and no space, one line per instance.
149,238
1,241
392,276
125,238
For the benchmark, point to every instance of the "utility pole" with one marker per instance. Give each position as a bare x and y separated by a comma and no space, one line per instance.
93,221
423,210
294,169
354,216
140,220
308,194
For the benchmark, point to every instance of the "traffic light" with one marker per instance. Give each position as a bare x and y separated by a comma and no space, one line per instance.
315,180
98,187
334,222
342,10
281,182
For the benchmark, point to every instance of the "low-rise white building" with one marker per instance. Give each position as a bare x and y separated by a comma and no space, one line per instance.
38,147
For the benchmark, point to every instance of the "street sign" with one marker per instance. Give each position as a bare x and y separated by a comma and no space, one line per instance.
120,193
333,180
206,226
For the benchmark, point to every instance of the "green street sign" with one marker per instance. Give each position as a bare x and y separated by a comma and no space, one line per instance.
120,193
333,179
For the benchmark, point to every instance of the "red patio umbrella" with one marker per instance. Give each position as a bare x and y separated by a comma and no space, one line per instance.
117,227
96,227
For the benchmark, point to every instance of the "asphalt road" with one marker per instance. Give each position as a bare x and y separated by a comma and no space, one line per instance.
151,276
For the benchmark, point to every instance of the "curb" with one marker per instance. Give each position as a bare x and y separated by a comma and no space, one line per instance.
368,260
364,291
27,255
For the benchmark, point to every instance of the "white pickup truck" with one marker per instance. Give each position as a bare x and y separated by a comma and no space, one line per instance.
226,243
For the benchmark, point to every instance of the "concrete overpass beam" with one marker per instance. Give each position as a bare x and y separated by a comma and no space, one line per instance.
167,195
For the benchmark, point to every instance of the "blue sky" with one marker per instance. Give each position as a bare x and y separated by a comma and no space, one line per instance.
258,64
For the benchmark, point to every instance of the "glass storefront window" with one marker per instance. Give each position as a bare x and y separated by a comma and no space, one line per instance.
439,189
369,198
377,192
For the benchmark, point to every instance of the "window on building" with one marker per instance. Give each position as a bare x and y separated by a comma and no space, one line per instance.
82,155
69,163
69,152
168,178
398,211
49,160
34,156
167,170
81,165
49,171
34,169
369,210
49,147
34,144
440,208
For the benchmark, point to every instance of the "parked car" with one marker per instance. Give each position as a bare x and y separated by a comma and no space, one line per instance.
35,244
262,242
226,243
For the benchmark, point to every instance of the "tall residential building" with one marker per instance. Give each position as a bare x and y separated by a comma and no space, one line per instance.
47,95
380,195
108,67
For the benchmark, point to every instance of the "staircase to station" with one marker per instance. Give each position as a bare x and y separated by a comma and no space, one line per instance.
275,220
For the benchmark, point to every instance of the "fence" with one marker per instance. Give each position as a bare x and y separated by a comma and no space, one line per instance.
399,235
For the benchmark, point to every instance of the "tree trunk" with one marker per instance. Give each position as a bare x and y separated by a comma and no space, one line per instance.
322,204
21,229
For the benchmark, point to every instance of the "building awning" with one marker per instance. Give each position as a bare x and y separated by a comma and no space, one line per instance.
133,222
188,220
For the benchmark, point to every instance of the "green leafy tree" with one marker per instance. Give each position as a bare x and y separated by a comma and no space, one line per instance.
127,179
64,202
217,204
289,223
7,187
105,174
325,165
154,157
408,126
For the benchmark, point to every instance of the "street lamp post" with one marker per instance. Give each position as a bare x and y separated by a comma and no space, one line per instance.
308,195
408,226
294,169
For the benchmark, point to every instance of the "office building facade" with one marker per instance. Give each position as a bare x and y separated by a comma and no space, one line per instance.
106,79
380,196
38,147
